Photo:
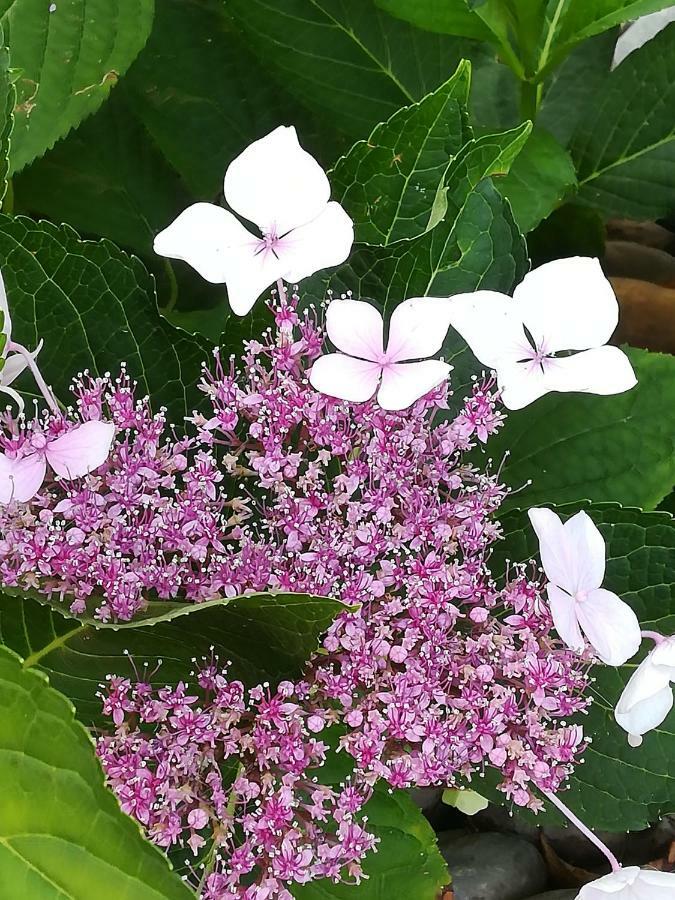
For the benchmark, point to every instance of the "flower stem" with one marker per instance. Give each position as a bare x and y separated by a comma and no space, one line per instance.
593,838
37,375
653,636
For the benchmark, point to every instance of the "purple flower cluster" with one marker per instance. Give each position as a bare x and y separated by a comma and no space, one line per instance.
438,673
233,776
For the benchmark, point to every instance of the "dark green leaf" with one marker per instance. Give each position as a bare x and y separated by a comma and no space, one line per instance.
388,183
70,54
575,446
107,179
480,247
572,90
624,148
95,307
265,637
63,833
201,95
345,59
541,177
618,787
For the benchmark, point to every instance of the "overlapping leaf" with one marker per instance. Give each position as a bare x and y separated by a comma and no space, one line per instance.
475,244
347,60
201,122
618,448
107,179
95,308
568,23
444,16
69,55
618,787
624,148
541,177
388,183
262,637
62,833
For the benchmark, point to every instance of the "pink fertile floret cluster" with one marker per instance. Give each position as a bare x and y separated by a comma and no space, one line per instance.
439,672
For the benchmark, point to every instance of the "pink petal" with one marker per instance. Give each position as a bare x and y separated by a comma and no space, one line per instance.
404,383
356,328
344,377
417,328
586,552
21,479
81,450
564,612
554,548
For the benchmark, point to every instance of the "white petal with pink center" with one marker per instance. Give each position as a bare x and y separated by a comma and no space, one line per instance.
565,305
573,559
281,189
400,374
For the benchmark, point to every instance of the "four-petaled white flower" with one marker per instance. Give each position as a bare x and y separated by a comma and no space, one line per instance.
563,305
573,558
648,697
631,883
15,363
284,191
417,329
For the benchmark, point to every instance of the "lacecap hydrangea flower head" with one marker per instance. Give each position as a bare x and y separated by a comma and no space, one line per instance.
331,470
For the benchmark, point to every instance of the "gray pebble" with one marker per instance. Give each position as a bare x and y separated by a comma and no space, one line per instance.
491,866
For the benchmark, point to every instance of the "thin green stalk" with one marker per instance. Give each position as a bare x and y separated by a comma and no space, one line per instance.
530,98
173,287
8,199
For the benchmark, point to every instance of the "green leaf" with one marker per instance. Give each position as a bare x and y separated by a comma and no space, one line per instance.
62,833
106,179
443,16
624,148
95,307
388,183
345,59
575,446
618,787
200,122
70,55
265,637
480,247
572,90
540,178
407,863
569,22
